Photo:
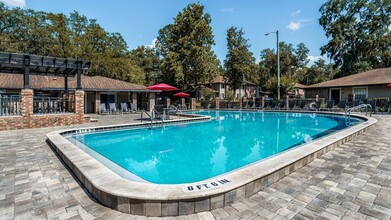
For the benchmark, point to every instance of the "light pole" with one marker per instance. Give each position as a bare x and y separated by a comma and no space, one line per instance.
278,63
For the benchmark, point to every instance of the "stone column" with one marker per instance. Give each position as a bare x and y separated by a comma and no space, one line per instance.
263,102
27,107
168,102
134,98
97,102
287,102
217,103
79,106
183,103
151,97
240,102
193,104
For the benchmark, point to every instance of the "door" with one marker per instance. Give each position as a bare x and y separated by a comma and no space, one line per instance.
335,95
89,102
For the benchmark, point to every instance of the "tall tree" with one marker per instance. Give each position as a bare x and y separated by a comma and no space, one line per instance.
293,63
186,49
147,59
358,32
240,63
318,72
50,34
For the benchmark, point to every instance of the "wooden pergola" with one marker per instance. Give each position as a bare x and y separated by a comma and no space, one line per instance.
27,64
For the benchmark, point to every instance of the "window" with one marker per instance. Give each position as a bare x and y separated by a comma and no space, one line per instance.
222,86
360,92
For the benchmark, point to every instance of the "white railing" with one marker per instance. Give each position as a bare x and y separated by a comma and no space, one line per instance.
359,107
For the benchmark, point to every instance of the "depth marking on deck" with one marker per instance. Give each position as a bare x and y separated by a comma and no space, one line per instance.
205,186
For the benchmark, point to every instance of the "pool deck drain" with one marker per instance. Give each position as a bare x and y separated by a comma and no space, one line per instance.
353,180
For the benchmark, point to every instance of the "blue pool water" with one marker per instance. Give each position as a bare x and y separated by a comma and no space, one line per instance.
192,152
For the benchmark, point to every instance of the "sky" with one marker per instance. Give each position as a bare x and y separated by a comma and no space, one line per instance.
139,21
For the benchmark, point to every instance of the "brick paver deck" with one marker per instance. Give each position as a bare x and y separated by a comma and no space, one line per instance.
350,182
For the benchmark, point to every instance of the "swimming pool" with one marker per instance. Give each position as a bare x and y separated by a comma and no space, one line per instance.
111,189
191,152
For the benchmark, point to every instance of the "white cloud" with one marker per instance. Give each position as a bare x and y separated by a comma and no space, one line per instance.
312,59
15,3
228,10
153,43
294,25
295,13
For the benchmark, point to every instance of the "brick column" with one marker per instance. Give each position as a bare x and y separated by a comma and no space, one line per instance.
151,97
97,102
27,107
193,104
168,102
263,102
240,103
217,103
79,106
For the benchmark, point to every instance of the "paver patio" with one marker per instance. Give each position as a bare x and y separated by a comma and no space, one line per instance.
352,181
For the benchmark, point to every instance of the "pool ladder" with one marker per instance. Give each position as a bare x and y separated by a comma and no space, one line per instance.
152,115
359,107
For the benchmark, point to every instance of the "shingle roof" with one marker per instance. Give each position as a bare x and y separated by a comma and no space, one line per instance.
90,83
372,77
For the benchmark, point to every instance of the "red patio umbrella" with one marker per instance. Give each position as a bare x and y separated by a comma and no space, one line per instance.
162,87
389,85
181,94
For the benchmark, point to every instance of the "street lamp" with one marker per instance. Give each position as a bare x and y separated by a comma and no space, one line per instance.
278,63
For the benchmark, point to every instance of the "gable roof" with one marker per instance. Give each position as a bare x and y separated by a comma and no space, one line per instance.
372,77
88,83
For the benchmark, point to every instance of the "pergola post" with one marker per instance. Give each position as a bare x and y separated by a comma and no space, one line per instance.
66,83
26,72
78,83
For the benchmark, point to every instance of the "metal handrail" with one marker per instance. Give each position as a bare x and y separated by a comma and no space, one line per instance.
154,112
366,106
150,116
176,109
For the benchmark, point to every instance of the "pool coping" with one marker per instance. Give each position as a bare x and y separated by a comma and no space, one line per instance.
171,200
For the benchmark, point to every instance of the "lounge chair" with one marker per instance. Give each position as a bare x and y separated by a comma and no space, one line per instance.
102,108
315,105
282,105
341,105
133,107
251,104
124,108
372,103
356,102
292,104
266,104
329,105
273,105
301,106
387,106
113,109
